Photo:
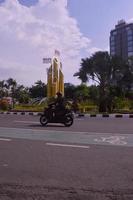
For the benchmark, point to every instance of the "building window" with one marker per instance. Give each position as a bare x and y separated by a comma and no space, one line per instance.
130,48
129,32
130,43
112,53
112,38
130,53
130,37
112,48
112,43
127,28
114,33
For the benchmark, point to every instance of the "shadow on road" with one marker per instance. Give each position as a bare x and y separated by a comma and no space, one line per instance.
49,125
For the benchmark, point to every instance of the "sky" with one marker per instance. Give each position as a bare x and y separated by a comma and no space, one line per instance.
31,30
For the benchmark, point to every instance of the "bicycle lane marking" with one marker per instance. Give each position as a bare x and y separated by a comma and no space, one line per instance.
114,140
67,137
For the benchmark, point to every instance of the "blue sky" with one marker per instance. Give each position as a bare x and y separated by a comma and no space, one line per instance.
97,17
33,29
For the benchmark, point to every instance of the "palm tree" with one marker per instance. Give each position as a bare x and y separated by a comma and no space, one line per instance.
98,69
39,90
3,89
11,85
106,71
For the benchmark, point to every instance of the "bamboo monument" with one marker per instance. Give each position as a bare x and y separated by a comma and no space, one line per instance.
55,77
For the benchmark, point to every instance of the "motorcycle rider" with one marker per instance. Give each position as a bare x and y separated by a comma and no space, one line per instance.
57,112
59,104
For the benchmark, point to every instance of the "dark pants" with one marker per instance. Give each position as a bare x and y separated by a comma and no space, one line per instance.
60,111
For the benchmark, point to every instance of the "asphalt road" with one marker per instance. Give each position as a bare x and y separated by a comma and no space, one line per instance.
83,124
91,160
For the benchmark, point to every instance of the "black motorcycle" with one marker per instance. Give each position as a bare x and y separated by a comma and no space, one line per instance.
51,115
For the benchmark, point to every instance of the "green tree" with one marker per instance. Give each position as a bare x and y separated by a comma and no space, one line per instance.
22,94
82,92
69,90
98,69
107,72
39,90
3,89
11,85
94,93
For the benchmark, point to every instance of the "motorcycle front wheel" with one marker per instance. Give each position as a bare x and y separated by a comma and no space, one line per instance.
68,121
43,120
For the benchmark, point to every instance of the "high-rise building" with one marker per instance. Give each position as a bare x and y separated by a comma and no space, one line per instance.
121,40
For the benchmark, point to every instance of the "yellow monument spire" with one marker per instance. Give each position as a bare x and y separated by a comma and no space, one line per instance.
55,77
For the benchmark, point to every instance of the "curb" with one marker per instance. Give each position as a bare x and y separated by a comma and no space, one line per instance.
80,115
22,113
105,115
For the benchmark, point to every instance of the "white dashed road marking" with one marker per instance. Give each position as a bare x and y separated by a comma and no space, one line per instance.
67,145
4,139
5,165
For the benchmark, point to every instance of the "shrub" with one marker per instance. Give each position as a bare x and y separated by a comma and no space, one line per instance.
120,103
4,105
131,105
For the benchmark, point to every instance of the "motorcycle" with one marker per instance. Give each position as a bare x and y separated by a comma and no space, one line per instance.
50,115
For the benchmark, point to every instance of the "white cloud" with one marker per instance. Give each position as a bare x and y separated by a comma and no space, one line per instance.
93,50
27,34
130,20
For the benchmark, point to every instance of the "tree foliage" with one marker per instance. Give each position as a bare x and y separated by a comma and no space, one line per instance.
39,90
110,73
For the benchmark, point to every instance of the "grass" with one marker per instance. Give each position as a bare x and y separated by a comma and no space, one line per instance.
91,109
35,108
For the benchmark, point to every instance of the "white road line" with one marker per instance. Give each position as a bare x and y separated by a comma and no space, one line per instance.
4,139
5,165
67,145
78,119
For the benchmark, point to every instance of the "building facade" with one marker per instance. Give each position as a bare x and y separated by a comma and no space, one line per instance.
121,40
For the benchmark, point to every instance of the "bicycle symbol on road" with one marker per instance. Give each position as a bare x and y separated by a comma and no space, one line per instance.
115,140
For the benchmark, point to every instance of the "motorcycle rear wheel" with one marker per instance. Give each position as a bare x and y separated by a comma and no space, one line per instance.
68,121
43,120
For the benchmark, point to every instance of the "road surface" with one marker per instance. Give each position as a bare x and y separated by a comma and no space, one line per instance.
90,160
